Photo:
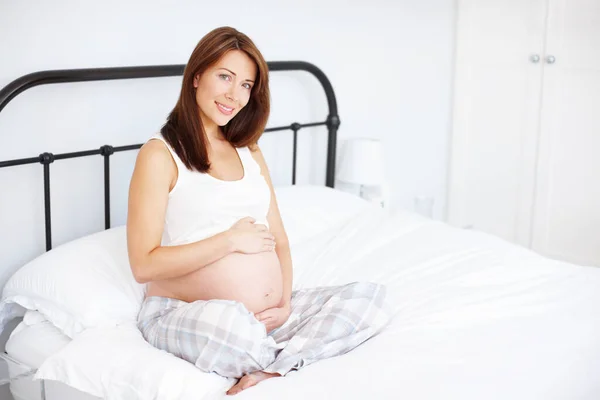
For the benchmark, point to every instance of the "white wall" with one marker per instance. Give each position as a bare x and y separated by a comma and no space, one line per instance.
390,63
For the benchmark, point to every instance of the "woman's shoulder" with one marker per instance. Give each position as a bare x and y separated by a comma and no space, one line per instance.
157,153
156,148
155,163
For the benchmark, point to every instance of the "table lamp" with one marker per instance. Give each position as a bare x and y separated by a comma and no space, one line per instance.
361,163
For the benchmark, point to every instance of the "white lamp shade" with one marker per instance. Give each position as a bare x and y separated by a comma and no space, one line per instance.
361,162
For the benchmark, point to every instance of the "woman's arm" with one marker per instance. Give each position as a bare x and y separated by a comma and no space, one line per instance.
154,175
282,247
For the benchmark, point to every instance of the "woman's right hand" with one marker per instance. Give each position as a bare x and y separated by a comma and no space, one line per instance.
249,238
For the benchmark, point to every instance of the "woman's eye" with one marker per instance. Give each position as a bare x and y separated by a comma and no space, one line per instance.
247,86
225,77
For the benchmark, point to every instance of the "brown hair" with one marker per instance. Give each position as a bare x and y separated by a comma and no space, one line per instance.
184,130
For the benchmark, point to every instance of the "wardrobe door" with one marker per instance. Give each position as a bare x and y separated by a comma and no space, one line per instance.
567,203
499,46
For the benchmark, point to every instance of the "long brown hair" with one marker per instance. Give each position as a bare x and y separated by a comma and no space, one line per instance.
184,130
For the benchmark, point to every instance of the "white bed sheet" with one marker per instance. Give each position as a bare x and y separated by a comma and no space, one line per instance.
475,318
31,343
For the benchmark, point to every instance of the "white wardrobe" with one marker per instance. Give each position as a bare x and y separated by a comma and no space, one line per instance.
525,156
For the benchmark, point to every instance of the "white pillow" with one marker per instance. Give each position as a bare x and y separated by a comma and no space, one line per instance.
84,283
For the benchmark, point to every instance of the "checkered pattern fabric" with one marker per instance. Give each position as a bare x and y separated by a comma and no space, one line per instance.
222,336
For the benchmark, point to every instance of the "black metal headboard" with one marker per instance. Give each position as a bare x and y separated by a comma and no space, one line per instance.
100,74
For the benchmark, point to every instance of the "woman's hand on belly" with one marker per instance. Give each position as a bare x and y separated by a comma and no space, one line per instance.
274,317
250,238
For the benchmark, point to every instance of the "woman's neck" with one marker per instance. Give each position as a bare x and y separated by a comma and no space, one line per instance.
214,132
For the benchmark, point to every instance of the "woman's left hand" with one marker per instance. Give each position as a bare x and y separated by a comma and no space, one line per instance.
274,317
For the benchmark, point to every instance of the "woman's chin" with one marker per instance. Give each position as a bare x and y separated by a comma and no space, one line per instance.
222,121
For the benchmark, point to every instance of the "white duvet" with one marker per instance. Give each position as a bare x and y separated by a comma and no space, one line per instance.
475,318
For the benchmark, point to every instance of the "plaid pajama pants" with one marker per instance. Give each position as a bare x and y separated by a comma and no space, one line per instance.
222,336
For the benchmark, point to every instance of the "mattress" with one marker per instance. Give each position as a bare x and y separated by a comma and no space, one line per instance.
32,341
475,317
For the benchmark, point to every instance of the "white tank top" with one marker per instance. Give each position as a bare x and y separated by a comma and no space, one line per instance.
201,205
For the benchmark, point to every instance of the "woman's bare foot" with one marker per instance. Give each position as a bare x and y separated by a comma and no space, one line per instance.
250,380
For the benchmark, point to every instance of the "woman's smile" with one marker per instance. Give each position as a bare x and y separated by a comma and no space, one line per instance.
224,109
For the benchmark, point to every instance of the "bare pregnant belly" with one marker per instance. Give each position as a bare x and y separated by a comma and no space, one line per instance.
252,279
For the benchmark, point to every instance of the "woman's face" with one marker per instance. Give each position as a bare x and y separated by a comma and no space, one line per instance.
224,89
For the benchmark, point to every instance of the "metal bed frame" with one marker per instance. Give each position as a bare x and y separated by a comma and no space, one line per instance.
25,82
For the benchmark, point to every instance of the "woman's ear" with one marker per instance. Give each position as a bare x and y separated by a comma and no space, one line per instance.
196,81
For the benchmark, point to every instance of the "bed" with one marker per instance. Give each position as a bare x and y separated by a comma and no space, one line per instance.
473,315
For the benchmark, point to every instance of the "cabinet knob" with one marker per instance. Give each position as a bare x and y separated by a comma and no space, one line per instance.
550,59
534,58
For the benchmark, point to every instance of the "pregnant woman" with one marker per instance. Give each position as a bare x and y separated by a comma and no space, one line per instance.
205,234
